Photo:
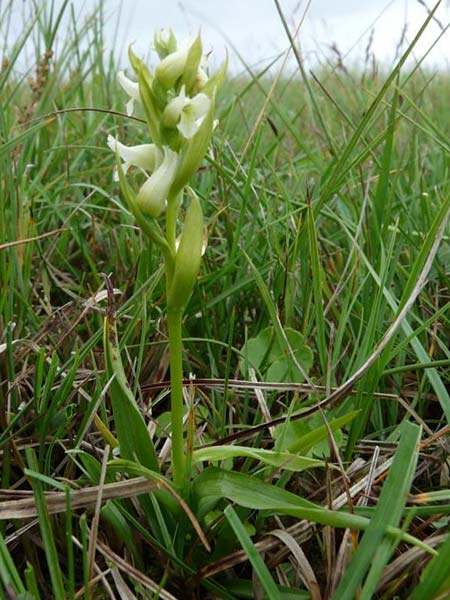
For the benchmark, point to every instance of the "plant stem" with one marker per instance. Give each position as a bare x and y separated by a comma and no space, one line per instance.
176,385
173,207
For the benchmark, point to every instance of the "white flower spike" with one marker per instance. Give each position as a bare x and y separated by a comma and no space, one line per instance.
186,113
131,88
144,156
153,195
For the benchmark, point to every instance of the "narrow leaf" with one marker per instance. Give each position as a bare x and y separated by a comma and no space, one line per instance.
253,555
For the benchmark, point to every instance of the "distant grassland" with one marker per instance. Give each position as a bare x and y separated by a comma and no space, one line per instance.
321,197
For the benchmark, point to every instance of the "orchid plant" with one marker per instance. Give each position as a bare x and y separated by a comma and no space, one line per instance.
178,101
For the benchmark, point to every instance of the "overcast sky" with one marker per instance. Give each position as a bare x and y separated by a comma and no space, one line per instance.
253,28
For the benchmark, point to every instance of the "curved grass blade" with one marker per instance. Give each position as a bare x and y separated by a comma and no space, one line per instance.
253,555
375,548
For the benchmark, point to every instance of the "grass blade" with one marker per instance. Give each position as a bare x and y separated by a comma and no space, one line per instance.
253,555
436,577
375,549
45,526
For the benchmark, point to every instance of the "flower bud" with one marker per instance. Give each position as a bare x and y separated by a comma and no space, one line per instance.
201,79
152,196
171,67
165,43
188,257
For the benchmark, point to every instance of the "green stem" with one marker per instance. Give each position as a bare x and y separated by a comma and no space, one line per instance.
173,206
177,404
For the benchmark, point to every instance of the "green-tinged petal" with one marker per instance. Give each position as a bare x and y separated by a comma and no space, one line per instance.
193,115
193,60
171,68
201,79
173,110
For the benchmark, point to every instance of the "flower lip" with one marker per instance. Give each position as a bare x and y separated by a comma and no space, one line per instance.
144,156
186,113
131,88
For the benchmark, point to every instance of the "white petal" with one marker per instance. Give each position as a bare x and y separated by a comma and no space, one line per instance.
188,125
130,107
131,87
172,67
193,115
144,156
200,105
173,110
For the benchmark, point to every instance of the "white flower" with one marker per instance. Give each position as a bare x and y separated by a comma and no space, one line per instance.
144,156
131,88
186,113
153,195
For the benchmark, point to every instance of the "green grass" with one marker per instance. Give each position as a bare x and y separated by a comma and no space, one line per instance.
326,201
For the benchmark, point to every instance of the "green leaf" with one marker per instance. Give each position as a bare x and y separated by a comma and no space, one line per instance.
265,353
188,257
214,484
279,460
132,433
216,81
300,440
296,431
317,286
8,146
149,103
